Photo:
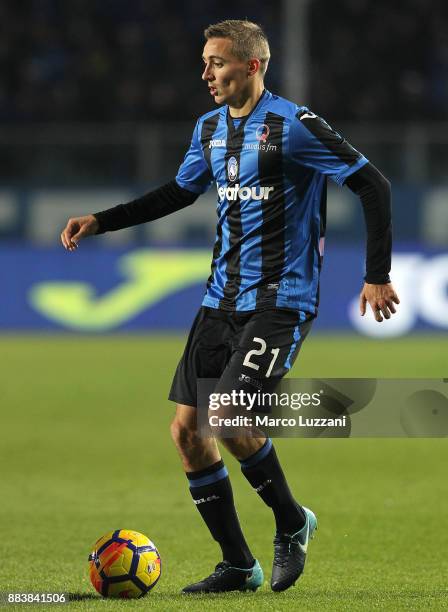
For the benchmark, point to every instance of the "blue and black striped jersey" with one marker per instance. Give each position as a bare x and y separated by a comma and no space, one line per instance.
270,170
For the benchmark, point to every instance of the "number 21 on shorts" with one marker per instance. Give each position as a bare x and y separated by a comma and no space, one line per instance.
250,364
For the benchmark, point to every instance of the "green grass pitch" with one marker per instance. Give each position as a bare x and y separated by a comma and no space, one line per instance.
86,449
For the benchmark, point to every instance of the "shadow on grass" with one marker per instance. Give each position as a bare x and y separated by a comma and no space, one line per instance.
83,596
323,595
176,596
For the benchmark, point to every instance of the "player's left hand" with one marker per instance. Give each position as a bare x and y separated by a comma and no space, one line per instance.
381,299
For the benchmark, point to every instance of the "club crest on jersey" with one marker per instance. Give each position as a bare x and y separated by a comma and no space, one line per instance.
232,169
262,132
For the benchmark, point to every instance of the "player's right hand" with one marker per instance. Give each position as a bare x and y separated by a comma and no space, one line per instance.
78,228
381,299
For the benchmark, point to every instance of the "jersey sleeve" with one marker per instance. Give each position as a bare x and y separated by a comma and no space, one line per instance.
194,173
313,143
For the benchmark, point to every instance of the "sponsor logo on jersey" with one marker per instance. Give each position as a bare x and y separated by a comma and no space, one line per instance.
217,142
259,146
232,169
244,193
262,132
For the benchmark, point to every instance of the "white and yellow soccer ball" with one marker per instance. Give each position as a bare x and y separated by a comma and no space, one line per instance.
124,564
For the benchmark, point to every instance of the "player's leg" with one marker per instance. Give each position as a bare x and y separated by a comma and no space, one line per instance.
212,494
196,453
205,356
262,469
295,524
282,333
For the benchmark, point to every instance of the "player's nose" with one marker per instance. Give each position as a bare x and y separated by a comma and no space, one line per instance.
207,75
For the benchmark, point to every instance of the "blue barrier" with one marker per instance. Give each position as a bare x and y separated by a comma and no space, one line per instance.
98,290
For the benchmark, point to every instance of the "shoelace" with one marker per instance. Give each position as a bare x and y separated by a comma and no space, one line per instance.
219,570
281,553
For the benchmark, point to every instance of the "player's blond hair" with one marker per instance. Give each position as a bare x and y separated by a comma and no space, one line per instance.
248,40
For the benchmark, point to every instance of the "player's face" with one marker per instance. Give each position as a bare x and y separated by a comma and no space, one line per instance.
226,75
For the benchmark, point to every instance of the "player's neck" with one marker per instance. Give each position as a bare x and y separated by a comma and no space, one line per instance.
247,102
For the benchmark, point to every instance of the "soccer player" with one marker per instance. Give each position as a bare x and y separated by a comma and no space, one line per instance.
270,159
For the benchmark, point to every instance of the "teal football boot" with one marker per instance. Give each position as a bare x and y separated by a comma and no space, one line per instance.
228,578
290,553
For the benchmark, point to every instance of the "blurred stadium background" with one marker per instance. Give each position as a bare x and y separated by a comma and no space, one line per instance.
98,100
97,104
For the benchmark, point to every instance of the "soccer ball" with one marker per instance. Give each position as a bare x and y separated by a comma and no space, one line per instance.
125,564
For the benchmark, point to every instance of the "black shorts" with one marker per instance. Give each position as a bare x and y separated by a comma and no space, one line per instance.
239,348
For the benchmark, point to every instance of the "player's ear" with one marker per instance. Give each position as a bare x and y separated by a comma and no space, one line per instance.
253,66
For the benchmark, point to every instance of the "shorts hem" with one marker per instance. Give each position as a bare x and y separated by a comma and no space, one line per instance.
184,401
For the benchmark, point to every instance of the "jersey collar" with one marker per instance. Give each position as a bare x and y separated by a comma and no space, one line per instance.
230,125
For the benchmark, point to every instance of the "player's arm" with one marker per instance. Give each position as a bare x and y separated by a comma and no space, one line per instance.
154,205
374,191
315,144
193,178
